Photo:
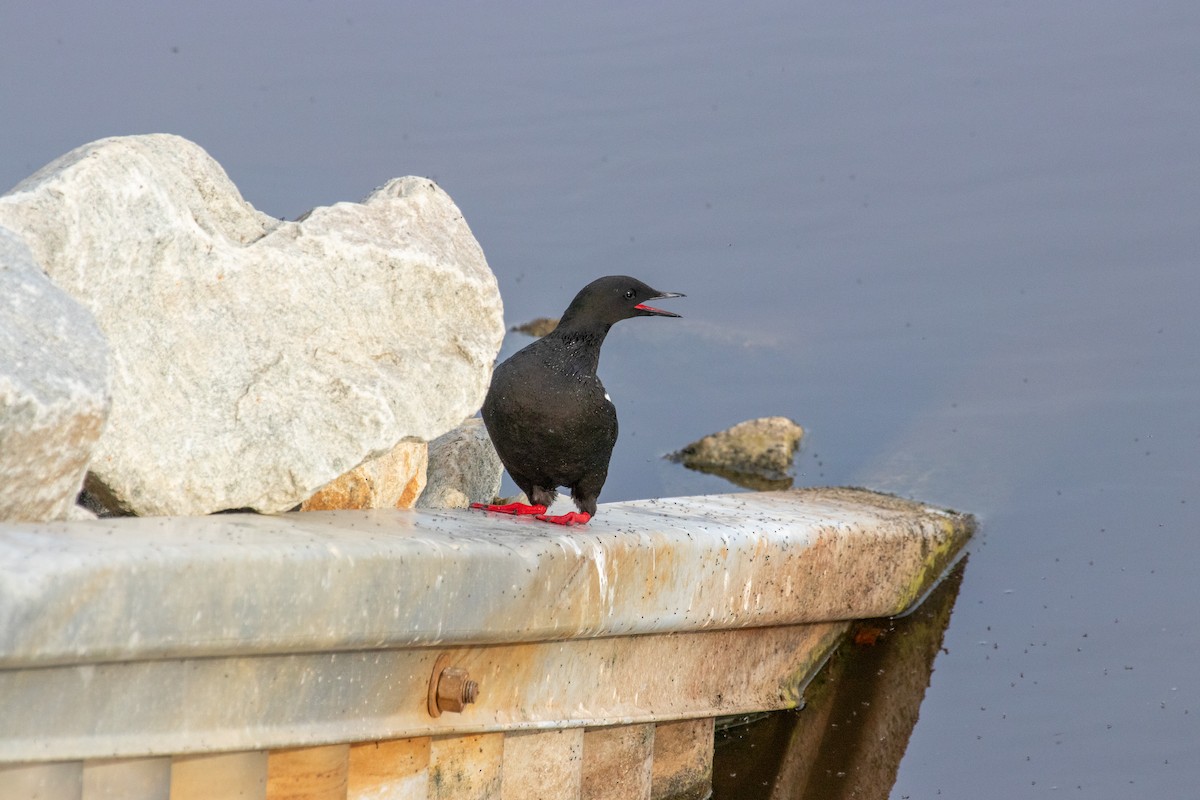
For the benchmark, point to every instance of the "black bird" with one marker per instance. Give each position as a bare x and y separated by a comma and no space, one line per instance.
547,412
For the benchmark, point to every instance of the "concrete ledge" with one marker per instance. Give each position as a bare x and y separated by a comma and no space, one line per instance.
239,585
132,589
292,651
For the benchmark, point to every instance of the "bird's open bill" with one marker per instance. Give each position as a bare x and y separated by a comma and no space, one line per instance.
651,310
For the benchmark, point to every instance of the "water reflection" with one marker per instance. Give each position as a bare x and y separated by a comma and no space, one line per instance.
747,480
860,712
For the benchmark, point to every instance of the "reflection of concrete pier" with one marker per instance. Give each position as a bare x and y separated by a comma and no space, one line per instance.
337,654
858,715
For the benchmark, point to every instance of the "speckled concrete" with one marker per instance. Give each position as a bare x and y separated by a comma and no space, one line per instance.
243,584
129,638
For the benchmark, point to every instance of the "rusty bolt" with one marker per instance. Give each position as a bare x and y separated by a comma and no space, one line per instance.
455,689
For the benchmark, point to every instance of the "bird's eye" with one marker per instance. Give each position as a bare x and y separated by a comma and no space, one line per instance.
629,294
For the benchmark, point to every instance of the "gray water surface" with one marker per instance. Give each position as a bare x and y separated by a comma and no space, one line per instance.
957,242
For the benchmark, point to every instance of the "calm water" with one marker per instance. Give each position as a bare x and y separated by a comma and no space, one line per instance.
958,243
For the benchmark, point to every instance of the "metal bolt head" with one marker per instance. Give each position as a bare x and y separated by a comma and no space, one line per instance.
455,689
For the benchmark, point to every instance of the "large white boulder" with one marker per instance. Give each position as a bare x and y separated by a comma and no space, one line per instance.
53,389
254,360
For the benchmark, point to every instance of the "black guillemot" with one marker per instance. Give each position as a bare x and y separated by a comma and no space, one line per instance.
551,420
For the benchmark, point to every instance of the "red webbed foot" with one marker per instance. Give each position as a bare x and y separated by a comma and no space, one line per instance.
518,509
571,518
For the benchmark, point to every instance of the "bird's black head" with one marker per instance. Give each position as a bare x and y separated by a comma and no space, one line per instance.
609,300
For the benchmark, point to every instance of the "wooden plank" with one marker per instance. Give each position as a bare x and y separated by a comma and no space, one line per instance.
617,763
308,773
683,760
54,781
540,765
466,767
224,776
396,769
127,779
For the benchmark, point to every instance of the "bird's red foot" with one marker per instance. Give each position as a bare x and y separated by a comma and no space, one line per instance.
570,518
511,508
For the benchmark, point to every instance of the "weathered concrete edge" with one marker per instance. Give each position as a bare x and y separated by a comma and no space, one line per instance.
188,706
133,589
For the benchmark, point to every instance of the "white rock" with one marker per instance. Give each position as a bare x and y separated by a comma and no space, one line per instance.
54,393
463,468
256,360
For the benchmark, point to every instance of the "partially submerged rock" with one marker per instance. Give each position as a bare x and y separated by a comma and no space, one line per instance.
463,468
253,360
54,390
756,454
537,327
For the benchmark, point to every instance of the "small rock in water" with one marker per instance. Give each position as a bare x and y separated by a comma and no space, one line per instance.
755,454
536,327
